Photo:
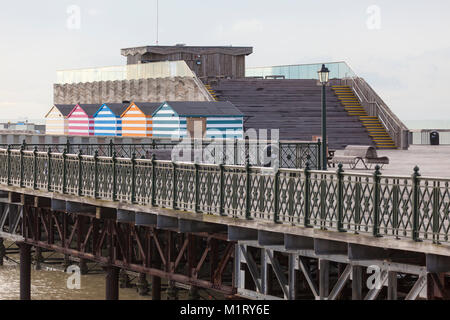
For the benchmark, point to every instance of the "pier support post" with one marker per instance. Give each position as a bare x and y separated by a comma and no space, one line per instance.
66,263
172,291
124,279
392,286
83,267
25,271
38,258
324,279
2,251
193,294
112,283
142,285
357,285
156,288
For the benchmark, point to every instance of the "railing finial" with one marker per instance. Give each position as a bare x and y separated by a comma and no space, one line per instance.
417,171
378,170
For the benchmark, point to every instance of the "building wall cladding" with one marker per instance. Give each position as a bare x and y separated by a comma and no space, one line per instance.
162,89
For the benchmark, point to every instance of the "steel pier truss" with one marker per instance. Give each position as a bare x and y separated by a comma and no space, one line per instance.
234,260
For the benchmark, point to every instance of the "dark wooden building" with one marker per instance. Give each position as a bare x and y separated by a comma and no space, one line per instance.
206,62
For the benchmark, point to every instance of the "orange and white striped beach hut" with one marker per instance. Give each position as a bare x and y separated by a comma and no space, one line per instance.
137,119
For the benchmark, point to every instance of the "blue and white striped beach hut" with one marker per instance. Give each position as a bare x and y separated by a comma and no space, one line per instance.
108,121
216,120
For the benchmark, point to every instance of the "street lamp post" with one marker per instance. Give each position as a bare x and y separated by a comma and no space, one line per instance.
324,77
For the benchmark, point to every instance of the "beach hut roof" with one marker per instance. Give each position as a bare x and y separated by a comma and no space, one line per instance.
90,109
204,108
148,108
65,109
116,108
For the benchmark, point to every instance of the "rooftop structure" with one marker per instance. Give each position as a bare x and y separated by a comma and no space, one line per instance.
221,61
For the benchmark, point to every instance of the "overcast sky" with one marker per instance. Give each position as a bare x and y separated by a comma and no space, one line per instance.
401,47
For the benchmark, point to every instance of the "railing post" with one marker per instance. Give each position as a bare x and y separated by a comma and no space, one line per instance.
9,164
248,214
64,187
236,152
21,166
153,180
49,169
68,146
319,155
416,209
280,154
436,214
174,185
376,205
276,197
340,204
222,190
114,165
111,148
96,193
35,167
307,196
197,188
80,173
133,178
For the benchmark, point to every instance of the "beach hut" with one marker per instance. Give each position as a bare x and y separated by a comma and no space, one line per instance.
108,121
56,122
81,120
217,120
137,119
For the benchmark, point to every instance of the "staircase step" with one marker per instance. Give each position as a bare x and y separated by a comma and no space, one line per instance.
383,139
378,134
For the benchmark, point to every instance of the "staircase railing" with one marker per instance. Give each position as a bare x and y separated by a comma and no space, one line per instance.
376,107
203,89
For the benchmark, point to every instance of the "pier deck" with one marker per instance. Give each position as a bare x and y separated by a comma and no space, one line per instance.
433,161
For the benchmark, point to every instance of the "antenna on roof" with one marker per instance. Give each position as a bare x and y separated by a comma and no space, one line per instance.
157,22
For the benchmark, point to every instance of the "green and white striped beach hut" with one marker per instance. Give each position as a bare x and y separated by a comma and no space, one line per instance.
215,119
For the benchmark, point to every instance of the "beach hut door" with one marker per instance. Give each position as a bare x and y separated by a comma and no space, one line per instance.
196,126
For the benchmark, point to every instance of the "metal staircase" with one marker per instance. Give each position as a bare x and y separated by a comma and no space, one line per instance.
211,92
374,127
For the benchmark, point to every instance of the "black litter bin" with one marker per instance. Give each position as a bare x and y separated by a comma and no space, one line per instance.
434,138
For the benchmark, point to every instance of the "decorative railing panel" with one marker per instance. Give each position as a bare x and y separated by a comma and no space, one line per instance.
288,154
385,206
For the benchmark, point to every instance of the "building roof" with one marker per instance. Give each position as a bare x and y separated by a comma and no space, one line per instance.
65,109
117,108
196,108
164,50
148,108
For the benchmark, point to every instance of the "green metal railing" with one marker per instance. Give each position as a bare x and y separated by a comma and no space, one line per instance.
290,154
412,207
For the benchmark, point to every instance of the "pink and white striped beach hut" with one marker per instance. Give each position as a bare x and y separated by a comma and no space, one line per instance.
81,120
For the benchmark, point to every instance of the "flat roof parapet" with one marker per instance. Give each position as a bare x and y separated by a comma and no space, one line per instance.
164,50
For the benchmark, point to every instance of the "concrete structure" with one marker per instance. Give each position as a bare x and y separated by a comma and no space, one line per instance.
137,119
108,120
161,89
